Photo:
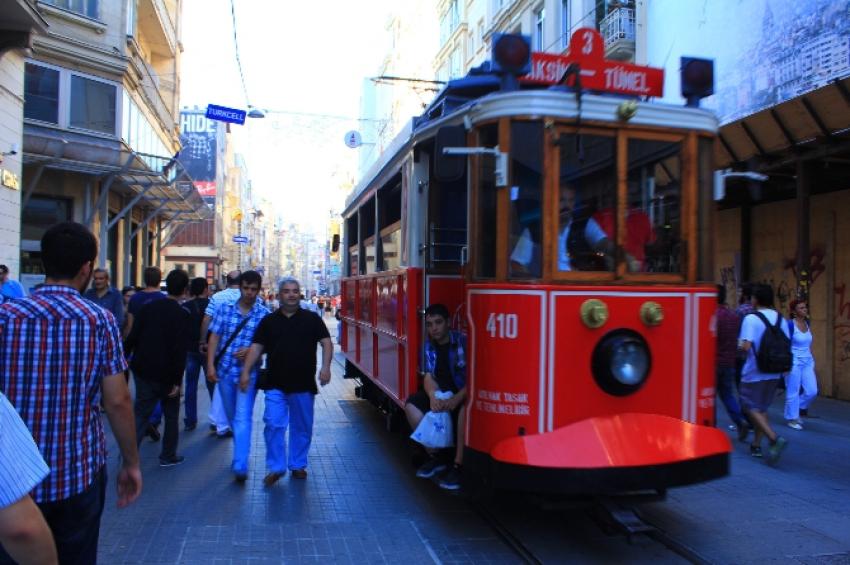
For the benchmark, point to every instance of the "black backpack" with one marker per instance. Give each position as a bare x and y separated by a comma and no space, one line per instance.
774,352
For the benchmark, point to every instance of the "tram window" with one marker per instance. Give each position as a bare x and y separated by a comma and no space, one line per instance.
485,248
369,249
389,224
653,222
587,203
352,233
526,195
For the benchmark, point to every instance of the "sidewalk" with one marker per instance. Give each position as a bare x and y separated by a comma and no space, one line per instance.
798,512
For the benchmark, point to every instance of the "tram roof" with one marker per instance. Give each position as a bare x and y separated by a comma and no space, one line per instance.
479,100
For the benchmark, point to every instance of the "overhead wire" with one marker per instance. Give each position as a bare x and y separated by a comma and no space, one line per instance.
236,46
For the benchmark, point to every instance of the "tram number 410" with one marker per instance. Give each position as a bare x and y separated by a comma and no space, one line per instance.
503,326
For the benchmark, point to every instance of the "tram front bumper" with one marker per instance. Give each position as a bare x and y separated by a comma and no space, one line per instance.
608,454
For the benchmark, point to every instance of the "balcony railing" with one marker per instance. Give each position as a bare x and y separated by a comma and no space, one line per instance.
618,32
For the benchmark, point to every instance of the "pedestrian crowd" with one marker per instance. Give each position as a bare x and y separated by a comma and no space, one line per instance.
758,349
67,352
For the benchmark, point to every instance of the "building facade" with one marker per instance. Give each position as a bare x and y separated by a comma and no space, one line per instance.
101,132
18,25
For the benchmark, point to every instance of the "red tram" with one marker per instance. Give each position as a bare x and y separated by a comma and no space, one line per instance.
569,230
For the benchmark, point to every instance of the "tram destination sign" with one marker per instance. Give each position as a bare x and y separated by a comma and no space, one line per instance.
597,73
223,114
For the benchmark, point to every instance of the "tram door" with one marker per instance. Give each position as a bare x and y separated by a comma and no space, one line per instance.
446,239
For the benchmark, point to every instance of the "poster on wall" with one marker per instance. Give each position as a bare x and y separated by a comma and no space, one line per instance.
198,153
765,52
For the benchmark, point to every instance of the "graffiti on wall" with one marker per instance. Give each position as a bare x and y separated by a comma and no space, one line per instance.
842,322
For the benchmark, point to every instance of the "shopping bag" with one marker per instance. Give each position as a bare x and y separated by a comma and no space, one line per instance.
435,430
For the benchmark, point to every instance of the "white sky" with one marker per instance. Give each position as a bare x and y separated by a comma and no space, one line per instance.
298,58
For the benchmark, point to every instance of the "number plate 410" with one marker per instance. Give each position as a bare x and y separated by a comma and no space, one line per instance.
502,326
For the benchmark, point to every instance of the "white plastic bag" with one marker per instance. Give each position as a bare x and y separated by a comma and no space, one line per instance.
435,430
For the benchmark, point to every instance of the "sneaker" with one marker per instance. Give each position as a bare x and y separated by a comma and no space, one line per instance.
775,451
299,473
153,433
743,431
171,461
222,435
755,451
451,479
190,427
431,468
795,425
240,478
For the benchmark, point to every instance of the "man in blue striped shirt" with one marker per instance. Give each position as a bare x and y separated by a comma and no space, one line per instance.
231,333
23,532
58,353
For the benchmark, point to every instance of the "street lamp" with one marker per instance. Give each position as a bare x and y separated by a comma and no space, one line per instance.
255,112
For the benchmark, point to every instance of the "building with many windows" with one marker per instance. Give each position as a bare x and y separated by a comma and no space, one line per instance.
100,132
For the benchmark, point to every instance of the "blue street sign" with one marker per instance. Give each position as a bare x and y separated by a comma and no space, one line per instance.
223,114
240,239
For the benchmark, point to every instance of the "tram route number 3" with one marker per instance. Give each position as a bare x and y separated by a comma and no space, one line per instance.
502,326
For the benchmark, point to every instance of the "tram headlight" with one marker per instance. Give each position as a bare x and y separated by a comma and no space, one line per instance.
621,362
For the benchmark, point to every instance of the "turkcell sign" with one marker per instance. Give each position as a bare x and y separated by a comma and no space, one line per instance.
222,114
240,239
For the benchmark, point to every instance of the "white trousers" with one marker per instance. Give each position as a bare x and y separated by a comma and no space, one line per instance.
218,417
802,374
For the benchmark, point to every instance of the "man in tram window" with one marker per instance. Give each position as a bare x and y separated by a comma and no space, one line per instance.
582,243
445,370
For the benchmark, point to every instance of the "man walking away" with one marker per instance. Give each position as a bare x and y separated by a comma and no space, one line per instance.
757,385
59,401
230,339
289,338
23,532
151,293
198,289
106,296
726,355
159,339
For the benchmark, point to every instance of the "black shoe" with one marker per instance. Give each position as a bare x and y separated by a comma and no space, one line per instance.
171,461
240,478
212,428
153,433
451,480
190,427
228,433
431,468
755,451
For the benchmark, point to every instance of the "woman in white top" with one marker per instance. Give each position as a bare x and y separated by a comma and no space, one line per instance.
803,371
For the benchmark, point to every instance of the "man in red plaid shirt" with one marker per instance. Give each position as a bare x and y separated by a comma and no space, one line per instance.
59,353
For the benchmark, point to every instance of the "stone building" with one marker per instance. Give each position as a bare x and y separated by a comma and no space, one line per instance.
100,132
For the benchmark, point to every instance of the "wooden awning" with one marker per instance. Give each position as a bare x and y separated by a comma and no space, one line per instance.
815,125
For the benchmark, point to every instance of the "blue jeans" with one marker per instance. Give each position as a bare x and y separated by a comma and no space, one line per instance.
293,410
194,366
239,407
726,391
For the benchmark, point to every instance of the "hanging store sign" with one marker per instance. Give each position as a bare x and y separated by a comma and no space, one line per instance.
199,153
10,179
224,114
587,50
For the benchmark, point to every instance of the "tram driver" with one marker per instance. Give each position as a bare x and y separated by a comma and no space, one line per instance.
582,243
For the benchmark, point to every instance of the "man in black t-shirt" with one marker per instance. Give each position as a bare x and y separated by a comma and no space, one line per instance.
289,337
199,290
158,342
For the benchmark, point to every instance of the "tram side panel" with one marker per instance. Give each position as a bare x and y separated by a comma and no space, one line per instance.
381,333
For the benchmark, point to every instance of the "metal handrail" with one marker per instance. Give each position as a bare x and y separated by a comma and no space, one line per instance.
619,24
